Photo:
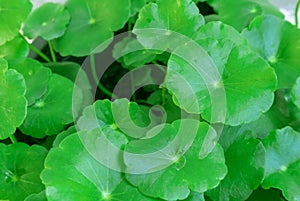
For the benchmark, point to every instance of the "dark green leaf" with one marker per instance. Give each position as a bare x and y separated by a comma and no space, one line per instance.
296,93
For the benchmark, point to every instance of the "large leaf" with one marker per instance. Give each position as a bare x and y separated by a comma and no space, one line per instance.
278,42
233,84
48,21
19,177
282,167
12,14
240,13
34,72
72,173
296,93
13,103
164,20
15,49
245,158
50,113
92,25
169,161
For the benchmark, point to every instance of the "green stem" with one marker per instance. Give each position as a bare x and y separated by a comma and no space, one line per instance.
132,87
96,79
129,27
296,13
52,51
37,51
163,95
13,139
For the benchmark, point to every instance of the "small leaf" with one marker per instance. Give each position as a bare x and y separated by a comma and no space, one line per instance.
34,72
164,19
283,162
240,13
171,161
296,93
136,6
49,114
13,104
281,50
14,50
72,173
12,14
20,178
96,21
48,21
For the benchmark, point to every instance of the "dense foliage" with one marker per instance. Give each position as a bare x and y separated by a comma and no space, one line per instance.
137,100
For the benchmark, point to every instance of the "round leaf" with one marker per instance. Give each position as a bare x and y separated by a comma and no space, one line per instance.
49,114
13,103
169,16
73,174
36,78
12,14
240,13
281,50
37,197
283,162
96,21
245,160
296,93
240,87
48,21
178,176
19,177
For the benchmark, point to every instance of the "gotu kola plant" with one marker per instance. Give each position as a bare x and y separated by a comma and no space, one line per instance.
136,100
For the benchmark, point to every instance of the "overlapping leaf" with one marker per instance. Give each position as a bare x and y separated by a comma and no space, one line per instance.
48,21
240,13
92,25
12,14
283,162
245,166
15,49
231,84
278,42
165,18
13,103
51,112
72,173
20,178
171,174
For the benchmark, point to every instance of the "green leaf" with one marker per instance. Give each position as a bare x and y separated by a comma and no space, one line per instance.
195,197
76,74
13,103
37,197
49,21
240,13
296,93
12,14
91,27
19,177
131,54
245,158
163,19
55,109
281,50
61,136
72,173
171,158
283,162
36,78
15,49
237,92
121,114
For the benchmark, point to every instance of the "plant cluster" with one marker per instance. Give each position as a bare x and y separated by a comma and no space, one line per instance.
200,102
